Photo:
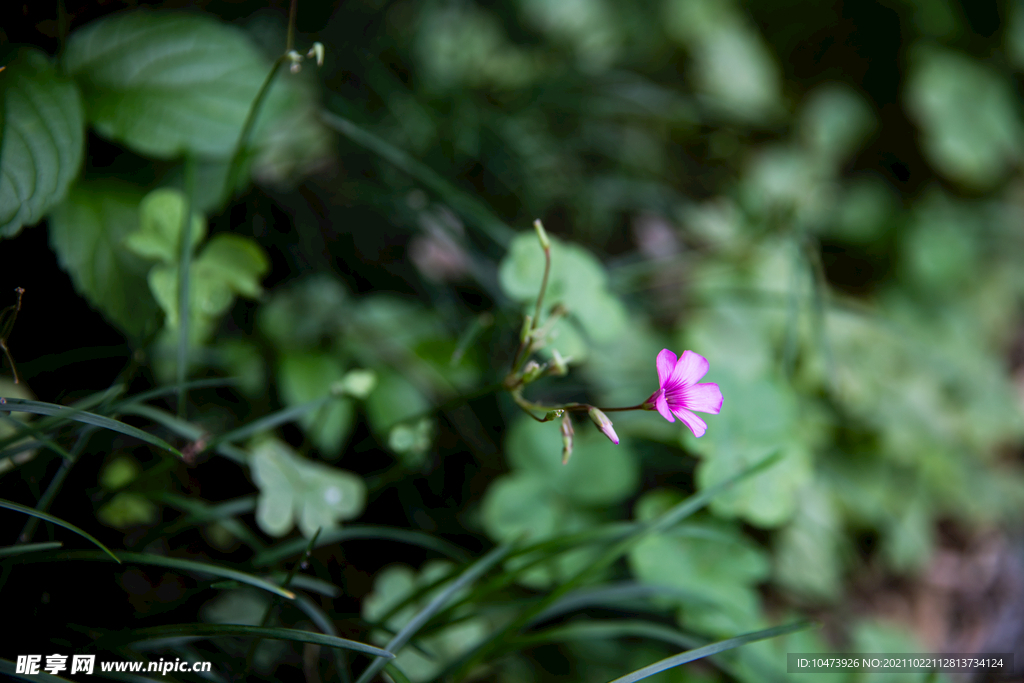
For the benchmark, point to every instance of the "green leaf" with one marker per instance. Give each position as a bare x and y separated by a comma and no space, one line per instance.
43,128
127,509
302,314
289,484
304,377
968,114
521,506
834,121
757,418
167,84
577,280
160,226
87,232
711,559
55,520
600,473
237,261
394,400
807,551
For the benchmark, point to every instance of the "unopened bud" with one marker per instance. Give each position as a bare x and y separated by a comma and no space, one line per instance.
604,424
542,235
532,370
318,51
567,434
559,365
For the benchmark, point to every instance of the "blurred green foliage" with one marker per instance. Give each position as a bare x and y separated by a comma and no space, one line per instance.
845,257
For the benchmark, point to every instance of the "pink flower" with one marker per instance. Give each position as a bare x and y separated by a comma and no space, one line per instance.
679,393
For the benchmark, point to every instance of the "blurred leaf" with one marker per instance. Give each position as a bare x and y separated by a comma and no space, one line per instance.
412,441
304,377
119,472
733,66
757,418
159,236
391,587
709,559
43,137
290,485
245,607
169,84
127,509
466,46
239,262
577,280
968,116
302,314
807,551
88,232
600,473
834,121
394,400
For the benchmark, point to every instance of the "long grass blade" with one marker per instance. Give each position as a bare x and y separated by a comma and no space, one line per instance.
10,505
169,562
708,650
185,429
475,571
269,422
460,201
29,548
40,408
220,630
295,546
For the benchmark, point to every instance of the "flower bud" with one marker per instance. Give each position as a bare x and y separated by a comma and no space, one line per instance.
604,424
567,434
317,51
559,366
532,370
542,235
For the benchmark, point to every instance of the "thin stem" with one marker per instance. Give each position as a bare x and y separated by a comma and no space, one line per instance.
7,326
184,271
543,287
290,40
250,124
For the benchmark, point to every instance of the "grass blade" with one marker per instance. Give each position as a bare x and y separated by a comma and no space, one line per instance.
32,512
41,408
220,630
708,650
460,201
475,571
29,548
295,546
170,563
268,422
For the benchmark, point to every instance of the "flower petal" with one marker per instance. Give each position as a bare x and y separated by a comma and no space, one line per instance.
689,369
707,398
661,403
695,424
666,362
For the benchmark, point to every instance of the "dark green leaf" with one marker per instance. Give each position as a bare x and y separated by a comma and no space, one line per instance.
43,139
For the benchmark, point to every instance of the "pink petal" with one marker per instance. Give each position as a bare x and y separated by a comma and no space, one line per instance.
689,369
666,361
662,405
707,398
695,424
